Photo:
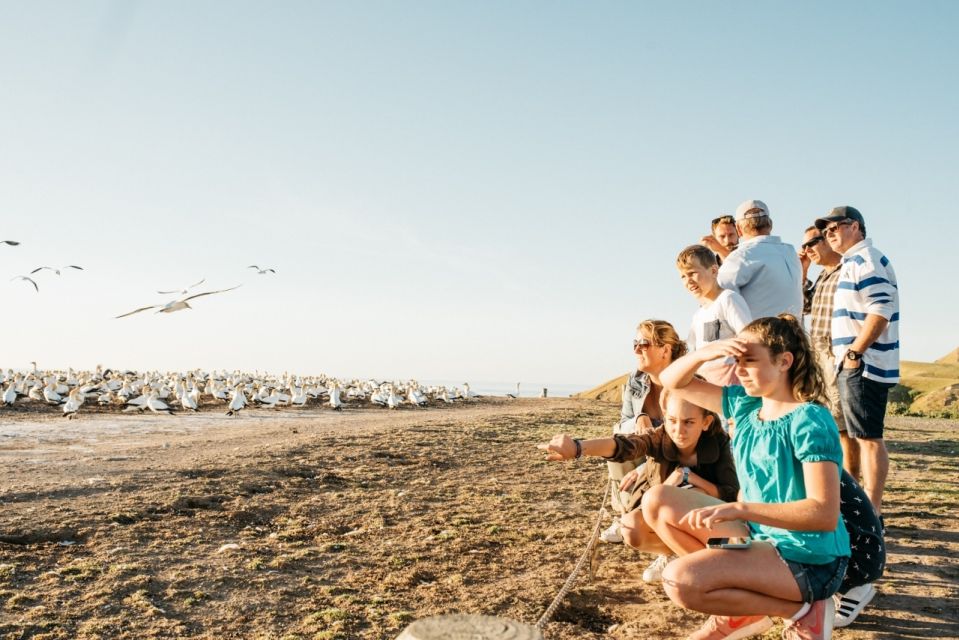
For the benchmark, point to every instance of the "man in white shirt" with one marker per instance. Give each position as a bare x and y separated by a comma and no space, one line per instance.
763,269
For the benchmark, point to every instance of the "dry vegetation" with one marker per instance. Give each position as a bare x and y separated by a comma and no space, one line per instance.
351,525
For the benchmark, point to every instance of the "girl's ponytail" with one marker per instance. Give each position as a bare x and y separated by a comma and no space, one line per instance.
785,334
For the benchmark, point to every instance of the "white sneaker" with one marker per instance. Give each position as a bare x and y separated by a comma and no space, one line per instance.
850,604
612,535
654,572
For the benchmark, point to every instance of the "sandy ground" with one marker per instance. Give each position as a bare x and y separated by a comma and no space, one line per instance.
352,524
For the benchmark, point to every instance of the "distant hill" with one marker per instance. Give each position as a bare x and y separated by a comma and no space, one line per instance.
927,388
950,358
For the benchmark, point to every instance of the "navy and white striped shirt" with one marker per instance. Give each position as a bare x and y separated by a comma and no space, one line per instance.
867,285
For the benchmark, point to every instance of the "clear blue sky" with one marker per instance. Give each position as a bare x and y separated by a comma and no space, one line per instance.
486,190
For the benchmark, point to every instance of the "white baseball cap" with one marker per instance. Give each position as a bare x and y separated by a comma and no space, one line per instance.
751,209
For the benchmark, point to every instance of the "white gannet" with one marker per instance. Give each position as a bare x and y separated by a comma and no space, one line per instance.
10,394
392,400
56,270
415,397
260,271
12,243
72,405
188,401
237,402
183,291
50,394
335,401
28,279
177,305
156,405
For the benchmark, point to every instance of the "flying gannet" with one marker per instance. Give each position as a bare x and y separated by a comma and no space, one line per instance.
177,305
184,291
56,270
260,271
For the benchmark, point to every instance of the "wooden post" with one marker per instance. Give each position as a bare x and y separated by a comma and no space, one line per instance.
544,393
463,626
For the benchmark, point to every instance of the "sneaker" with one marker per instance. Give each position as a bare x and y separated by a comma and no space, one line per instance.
850,604
815,625
654,572
731,628
612,535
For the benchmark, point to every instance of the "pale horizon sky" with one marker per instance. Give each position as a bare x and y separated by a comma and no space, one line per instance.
448,190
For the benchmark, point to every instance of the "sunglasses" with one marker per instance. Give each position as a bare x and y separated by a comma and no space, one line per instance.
834,227
640,345
812,243
723,220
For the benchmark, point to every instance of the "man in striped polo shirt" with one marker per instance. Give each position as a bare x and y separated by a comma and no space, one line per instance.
865,340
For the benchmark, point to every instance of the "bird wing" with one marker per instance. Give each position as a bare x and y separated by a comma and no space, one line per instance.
196,284
41,269
152,306
166,292
12,243
73,266
210,293
30,280
253,266
270,270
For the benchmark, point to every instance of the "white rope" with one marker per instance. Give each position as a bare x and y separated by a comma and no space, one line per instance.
571,580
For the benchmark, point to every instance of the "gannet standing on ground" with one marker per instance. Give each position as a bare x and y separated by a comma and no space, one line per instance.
156,405
237,402
467,394
188,401
392,400
335,401
414,396
50,394
10,395
72,405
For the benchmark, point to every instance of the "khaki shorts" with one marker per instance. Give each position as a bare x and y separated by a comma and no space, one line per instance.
826,362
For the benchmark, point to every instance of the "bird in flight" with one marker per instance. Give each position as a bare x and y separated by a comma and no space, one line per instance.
177,305
260,271
28,279
12,243
55,269
183,292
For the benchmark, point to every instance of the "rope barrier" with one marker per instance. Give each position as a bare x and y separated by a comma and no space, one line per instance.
571,580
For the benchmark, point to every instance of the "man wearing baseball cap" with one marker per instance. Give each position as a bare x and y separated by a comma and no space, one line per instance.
865,340
763,269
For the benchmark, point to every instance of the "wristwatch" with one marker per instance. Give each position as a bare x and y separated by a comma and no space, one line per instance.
853,355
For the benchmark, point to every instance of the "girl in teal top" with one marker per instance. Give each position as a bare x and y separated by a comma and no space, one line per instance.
788,460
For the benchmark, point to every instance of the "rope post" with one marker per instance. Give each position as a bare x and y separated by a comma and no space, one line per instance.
463,626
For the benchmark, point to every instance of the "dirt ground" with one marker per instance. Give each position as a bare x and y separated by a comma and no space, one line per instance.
352,524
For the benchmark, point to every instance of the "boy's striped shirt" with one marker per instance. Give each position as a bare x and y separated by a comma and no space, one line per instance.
867,285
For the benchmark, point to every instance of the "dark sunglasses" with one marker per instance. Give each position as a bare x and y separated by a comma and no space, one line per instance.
812,243
723,220
834,227
642,344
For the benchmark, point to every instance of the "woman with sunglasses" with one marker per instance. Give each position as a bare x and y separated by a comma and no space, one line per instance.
656,345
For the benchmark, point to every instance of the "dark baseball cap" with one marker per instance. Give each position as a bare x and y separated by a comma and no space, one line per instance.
840,213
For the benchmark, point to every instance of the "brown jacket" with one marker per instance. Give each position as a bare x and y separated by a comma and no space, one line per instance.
714,460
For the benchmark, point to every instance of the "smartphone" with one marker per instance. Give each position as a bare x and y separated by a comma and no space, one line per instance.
728,543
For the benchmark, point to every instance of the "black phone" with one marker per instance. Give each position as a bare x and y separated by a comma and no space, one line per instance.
729,543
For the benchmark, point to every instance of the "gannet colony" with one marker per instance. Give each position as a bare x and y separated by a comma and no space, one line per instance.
197,390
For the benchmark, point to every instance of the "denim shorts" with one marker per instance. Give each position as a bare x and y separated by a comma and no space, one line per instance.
817,581
863,403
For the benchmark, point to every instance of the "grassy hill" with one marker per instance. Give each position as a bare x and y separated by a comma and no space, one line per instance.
926,388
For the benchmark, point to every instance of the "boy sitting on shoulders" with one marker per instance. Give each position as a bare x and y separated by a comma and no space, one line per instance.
722,313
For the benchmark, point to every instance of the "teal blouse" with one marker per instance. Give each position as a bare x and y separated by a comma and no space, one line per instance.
769,458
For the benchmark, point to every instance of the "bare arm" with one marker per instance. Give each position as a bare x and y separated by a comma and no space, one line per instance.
818,511
678,377
872,328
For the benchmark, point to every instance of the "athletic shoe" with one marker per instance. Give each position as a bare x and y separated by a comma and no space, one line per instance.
654,572
850,604
612,535
731,628
815,625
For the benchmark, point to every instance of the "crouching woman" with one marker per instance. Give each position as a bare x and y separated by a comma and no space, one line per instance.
689,452
788,460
